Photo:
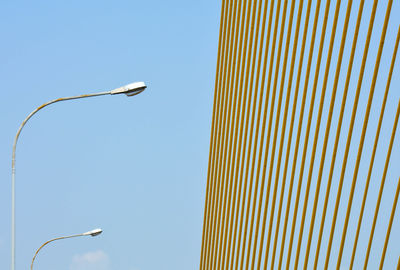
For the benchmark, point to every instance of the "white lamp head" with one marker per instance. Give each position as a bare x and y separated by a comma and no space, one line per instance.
130,89
94,232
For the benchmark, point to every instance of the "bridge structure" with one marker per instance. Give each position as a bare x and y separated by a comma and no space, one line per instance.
304,167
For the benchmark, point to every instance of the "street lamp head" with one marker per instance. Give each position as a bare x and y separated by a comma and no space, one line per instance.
94,232
131,89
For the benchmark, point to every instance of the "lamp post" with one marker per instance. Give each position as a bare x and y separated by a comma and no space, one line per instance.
129,90
94,232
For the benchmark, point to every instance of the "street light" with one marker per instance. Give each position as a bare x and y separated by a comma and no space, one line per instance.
94,232
129,90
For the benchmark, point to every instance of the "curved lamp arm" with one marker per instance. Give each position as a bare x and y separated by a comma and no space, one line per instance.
129,90
92,233
58,238
38,109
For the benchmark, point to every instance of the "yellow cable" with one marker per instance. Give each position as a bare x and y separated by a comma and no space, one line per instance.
220,129
257,126
229,235
289,87
268,138
393,133
318,124
277,118
389,152
252,71
374,150
266,106
339,128
362,136
305,143
230,107
326,137
371,162
245,183
241,109
212,142
242,66
260,152
299,70
234,61
396,198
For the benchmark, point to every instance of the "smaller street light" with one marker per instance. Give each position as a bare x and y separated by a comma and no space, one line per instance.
94,232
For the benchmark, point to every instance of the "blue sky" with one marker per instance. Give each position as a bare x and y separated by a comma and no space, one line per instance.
135,167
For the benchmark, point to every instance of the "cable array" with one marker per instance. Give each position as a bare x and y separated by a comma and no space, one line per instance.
305,146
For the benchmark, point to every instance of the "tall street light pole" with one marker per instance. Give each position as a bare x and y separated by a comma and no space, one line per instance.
94,232
130,90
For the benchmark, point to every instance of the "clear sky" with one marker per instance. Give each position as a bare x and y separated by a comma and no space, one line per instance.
136,167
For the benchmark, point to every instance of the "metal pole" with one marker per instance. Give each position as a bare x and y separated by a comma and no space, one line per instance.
13,164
